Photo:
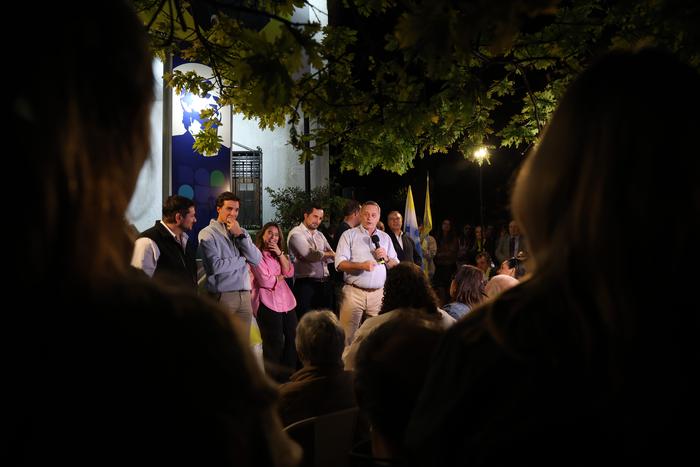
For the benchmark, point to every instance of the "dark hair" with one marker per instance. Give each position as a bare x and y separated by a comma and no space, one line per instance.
470,285
148,371
451,235
86,137
517,264
351,207
176,204
310,208
407,287
390,369
261,232
483,254
320,339
226,196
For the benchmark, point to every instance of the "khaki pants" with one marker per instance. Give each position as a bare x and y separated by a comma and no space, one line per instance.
240,308
357,303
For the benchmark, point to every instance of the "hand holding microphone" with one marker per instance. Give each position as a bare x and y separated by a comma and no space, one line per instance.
379,252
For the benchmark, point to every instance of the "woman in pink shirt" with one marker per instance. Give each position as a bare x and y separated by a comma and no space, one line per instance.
274,303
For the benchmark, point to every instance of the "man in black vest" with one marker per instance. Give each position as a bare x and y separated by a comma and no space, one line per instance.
404,246
162,251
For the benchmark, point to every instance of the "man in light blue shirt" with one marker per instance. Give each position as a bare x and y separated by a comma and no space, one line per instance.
226,249
364,262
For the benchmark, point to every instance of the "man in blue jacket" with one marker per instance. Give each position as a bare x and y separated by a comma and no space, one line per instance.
226,249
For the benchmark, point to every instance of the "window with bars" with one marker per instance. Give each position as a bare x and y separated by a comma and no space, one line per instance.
246,183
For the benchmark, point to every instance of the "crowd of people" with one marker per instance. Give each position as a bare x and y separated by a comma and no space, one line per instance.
555,354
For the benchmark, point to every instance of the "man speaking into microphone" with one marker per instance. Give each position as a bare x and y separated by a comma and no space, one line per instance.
363,255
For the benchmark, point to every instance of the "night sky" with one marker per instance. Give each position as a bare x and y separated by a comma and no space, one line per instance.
454,187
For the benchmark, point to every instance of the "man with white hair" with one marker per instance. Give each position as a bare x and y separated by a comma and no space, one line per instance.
322,385
364,254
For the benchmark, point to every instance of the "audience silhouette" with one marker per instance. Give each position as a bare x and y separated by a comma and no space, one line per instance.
585,363
111,367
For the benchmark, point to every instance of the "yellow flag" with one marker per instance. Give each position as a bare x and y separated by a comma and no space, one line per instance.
427,214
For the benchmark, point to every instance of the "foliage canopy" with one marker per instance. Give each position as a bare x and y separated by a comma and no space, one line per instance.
387,81
290,202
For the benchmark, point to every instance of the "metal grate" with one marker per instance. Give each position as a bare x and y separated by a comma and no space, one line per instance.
246,183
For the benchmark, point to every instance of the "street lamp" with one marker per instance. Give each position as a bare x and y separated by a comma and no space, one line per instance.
479,156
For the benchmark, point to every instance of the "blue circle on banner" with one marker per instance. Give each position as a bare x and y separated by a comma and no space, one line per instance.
186,190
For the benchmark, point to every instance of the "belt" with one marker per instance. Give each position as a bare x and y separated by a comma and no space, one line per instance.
363,289
217,295
314,279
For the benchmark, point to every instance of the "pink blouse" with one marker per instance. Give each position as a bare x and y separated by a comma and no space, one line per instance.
274,294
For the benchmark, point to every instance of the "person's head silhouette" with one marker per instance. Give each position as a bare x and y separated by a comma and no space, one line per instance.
85,137
586,359
115,369
615,171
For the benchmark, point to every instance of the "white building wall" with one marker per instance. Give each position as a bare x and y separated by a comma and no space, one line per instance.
147,202
281,167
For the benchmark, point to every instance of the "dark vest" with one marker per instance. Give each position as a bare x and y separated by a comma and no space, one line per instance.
407,253
173,262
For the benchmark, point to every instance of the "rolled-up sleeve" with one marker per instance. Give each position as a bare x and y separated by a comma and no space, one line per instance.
263,277
302,250
146,254
290,271
343,252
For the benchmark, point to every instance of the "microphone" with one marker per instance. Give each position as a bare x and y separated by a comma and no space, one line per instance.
375,240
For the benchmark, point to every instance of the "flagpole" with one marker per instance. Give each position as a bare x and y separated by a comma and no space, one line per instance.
481,200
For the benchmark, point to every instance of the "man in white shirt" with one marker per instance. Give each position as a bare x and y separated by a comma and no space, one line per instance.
364,254
313,289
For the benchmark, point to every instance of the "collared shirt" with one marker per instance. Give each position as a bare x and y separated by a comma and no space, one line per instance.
146,252
355,245
268,289
308,247
399,239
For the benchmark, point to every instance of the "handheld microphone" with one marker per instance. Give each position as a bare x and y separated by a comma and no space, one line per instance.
375,240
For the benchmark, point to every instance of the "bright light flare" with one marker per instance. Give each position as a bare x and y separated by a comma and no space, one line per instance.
481,155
